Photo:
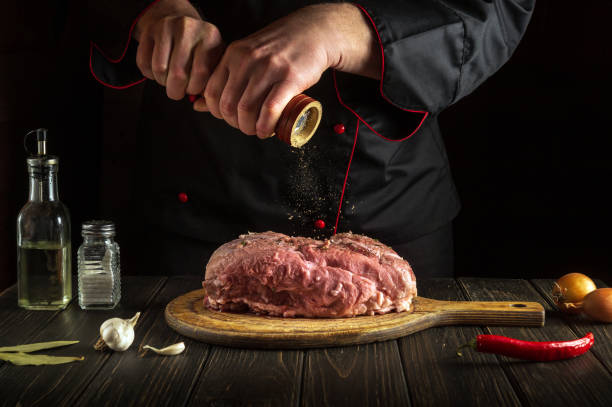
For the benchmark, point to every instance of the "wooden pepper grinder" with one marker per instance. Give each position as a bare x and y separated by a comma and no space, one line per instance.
298,121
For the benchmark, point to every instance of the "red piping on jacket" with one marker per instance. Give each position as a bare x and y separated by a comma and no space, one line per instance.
360,119
117,60
108,85
348,168
382,73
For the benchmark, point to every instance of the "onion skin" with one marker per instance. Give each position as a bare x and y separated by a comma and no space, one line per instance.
598,305
570,290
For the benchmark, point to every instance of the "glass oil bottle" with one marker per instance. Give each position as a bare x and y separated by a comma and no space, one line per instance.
44,280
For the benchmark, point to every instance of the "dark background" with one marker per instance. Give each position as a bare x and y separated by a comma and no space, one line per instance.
530,149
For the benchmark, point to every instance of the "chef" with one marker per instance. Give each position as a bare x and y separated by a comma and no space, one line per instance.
217,76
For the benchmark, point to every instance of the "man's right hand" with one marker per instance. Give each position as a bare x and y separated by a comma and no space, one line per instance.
177,49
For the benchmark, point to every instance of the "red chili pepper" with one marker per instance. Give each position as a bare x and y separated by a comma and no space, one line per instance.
539,351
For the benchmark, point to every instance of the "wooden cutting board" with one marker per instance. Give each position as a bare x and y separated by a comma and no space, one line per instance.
188,316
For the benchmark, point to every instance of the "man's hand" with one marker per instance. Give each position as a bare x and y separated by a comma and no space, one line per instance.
176,48
258,75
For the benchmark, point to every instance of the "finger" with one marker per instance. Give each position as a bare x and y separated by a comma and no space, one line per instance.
232,93
179,68
144,55
272,107
214,89
250,103
200,105
205,59
161,54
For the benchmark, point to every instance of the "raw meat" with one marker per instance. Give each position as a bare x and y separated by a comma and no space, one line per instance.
274,274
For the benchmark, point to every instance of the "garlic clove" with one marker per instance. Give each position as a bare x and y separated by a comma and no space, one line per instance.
168,350
117,333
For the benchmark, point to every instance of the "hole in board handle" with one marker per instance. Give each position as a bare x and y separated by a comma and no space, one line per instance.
518,305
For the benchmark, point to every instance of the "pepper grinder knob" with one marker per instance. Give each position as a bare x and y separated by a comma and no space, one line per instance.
299,120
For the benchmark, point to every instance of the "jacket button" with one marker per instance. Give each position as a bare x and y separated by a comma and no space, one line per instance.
182,197
319,224
339,128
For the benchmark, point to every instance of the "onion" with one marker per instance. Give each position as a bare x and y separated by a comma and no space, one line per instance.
598,305
569,291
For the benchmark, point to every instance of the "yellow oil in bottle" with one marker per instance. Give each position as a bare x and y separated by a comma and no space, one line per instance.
45,275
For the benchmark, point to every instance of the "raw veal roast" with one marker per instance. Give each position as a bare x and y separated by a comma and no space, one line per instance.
274,274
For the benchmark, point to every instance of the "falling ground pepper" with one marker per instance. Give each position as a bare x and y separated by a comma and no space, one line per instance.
311,194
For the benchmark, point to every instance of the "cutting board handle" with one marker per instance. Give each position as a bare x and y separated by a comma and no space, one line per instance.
509,313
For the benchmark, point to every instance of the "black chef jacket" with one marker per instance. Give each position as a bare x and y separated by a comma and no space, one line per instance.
377,165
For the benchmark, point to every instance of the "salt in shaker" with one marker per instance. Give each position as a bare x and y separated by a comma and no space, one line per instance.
98,266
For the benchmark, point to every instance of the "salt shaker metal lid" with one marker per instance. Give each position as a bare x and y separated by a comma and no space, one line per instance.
98,228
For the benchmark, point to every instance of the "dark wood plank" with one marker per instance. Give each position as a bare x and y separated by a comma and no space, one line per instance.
602,348
363,375
579,381
18,325
430,362
241,377
145,378
63,384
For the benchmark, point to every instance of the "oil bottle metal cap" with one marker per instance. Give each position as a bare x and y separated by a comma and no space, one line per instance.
45,161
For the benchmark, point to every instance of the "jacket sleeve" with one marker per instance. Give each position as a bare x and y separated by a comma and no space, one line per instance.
112,52
437,51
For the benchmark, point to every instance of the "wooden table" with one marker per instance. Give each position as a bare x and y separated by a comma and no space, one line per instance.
421,369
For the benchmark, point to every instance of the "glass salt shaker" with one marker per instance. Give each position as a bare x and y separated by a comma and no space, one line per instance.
98,266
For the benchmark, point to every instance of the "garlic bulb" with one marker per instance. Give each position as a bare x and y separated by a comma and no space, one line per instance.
117,333
168,350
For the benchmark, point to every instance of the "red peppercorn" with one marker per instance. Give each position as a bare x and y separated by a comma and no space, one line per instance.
319,224
182,197
339,128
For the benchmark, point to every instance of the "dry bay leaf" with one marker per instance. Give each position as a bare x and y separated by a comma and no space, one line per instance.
32,347
20,358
